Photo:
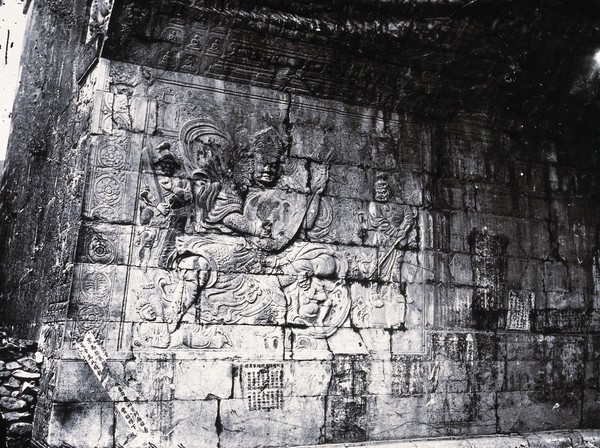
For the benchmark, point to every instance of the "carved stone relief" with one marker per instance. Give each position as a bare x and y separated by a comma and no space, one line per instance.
518,312
97,297
236,216
103,244
240,226
392,229
99,17
109,196
408,376
112,153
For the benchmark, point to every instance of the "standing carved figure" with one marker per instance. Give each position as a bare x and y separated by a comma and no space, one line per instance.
163,203
392,229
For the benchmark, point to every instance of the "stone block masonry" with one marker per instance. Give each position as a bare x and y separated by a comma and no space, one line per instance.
216,245
233,279
230,275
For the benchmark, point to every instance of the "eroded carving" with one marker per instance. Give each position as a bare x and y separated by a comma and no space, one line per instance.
108,189
99,17
518,312
96,286
112,155
596,278
164,199
240,255
234,224
488,257
93,320
151,301
392,229
408,376
100,249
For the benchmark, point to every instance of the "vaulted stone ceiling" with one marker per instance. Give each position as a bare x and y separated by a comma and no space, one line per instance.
515,65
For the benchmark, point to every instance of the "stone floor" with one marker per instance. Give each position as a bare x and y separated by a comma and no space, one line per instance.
564,439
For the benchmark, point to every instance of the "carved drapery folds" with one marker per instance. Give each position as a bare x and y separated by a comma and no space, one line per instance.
240,233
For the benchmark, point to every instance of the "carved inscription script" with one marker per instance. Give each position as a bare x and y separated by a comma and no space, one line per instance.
230,230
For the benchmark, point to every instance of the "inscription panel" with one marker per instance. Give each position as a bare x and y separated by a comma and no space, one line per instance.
264,386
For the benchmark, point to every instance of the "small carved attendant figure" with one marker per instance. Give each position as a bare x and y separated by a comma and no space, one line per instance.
146,240
151,332
163,203
391,227
315,303
171,194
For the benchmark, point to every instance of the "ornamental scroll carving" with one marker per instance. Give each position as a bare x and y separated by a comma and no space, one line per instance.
240,233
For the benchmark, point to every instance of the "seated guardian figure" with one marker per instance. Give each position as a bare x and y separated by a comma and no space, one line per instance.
244,228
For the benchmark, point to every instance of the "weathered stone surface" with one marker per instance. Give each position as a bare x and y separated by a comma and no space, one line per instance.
538,409
75,382
104,244
11,403
355,225
29,364
17,408
20,429
69,422
15,416
298,419
4,391
201,380
180,423
28,398
25,376
13,365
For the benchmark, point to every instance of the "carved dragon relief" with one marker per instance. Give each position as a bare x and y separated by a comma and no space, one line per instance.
234,237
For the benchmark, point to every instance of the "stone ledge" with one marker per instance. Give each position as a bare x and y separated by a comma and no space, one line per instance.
580,438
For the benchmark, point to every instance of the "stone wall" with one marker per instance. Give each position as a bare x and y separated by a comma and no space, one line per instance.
386,278
228,260
45,167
